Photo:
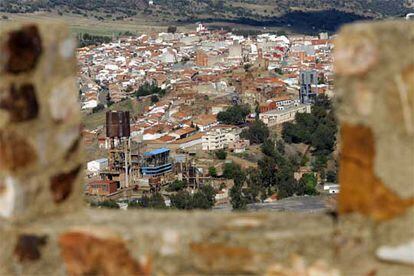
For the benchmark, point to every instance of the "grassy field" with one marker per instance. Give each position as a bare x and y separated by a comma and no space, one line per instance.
81,24
108,27
92,121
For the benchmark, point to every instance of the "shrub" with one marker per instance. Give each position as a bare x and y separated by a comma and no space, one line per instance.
221,154
212,171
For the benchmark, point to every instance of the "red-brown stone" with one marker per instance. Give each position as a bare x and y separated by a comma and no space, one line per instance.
361,190
221,258
85,254
23,49
21,103
28,247
61,185
15,151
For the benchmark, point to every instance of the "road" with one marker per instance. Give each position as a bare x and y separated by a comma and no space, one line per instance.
306,204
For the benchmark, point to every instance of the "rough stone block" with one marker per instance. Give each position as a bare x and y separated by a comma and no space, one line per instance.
40,157
375,102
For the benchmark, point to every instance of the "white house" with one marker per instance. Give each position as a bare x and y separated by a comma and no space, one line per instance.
331,188
90,104
277,117
97,165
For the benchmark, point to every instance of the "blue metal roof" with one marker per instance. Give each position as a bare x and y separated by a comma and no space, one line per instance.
156,152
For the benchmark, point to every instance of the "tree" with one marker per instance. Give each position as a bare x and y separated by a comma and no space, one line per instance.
331,176
268,171
309,182
172,29
156,201
247,66
257,132
257,110
221,154
182,200
317,129
319,163
176,186
111,204
149,89
212,171
237,200
268,148
323,100
204,198
109,101
279,71
280,147
98,108
234,115
209,193
253,186
234,171
154,99
200,201
323,140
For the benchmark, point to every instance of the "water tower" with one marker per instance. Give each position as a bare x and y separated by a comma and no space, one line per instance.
118,135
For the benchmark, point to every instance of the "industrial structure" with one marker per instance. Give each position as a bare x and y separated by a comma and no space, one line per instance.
122,170
308,86
119,140
156,162
129,170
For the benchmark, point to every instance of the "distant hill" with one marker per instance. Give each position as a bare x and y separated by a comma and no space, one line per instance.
299,15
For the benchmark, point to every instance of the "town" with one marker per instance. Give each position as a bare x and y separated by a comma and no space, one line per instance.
207,119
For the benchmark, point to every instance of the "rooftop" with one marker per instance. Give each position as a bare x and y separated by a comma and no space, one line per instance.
156,152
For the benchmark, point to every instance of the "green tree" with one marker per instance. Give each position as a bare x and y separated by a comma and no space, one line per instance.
331,176
210,194
109,101
200,201
212,171
204,198
253,186
221,154
234,115
172,29
319,163
156,201
257,132
182,200
233,171
280,147
148,89
317,129
98,108
309,182
237,200
154,99
176,186
268,148
279,71
110,204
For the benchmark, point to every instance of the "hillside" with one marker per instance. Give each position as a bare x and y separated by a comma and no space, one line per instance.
300,15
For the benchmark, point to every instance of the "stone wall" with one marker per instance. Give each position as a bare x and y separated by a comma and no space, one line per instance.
45,230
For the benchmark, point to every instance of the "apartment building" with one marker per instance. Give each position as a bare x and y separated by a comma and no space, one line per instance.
219,138
283,114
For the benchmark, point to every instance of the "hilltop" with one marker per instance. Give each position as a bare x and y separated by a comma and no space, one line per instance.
305,16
